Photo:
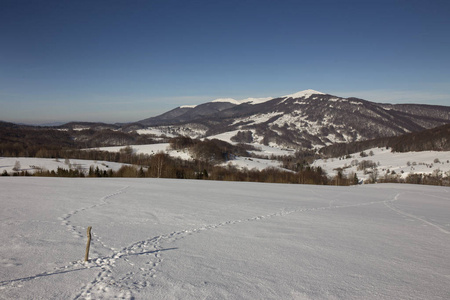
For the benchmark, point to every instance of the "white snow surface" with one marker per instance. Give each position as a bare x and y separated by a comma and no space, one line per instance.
246,100
239,162
226,136
254,163
151,149
32,164
172,131
230,100
251,100
306,93
272,150
258,118
402,164
255,100
169,239
140,149
158,131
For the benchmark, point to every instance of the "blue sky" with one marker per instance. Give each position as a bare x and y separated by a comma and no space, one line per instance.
122,61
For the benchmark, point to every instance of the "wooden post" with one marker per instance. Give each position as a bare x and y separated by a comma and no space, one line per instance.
86,257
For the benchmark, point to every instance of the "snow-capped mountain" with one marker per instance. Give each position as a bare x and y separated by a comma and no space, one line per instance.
306,119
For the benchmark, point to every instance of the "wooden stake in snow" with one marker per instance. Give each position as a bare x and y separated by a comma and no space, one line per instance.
86,257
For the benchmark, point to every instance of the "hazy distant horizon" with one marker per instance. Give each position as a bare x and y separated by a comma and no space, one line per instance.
383,96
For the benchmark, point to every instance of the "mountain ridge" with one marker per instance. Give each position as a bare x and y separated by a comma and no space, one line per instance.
306,119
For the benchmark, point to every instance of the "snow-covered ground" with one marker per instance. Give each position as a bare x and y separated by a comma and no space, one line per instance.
152,149
226,136
272,150
306,93
32,164
240,162
173,131
252,101
156,131
253,163
425,162
264,150
169,239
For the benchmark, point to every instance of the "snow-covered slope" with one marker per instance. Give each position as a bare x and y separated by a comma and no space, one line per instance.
307,119
239,162
246,100
387,162
32,164
157,131
304,94
152,149
227,100
253,163
168,239
255,100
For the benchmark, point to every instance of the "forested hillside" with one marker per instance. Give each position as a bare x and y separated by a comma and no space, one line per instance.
435,139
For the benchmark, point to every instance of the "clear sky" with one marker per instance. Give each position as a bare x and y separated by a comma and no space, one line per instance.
122,61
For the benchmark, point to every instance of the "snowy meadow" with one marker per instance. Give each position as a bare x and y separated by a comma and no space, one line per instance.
184,239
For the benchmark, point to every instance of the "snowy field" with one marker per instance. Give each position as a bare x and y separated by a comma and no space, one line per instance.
169,239
32,164
253,163
151,149
403,164
239,162
273,149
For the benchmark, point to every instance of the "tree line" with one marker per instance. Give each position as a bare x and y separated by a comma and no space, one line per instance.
33,141
207,164
161,165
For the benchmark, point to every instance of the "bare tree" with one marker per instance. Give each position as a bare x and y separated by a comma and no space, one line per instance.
374,175
17,166
158,162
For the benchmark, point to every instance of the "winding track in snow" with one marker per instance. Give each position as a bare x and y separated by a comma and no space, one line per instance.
391,207
65,219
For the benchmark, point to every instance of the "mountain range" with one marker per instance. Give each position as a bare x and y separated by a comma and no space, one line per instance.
303,120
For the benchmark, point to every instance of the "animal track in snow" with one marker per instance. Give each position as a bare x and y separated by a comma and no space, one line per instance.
76,230
391,207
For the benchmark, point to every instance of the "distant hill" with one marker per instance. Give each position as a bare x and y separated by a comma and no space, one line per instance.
87,125
435,139
26,140
304,120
